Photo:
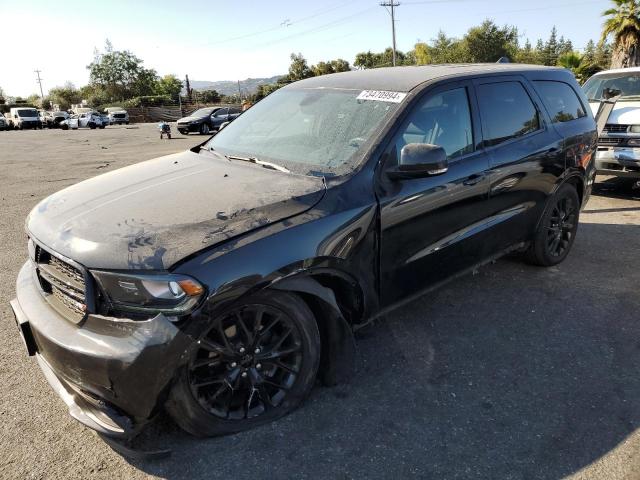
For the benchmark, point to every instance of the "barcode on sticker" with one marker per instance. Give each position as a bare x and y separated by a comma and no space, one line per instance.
382,96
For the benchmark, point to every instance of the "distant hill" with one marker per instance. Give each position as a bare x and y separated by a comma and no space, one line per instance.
229,87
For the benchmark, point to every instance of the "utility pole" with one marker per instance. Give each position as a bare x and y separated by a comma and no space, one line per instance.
392,4
39,80
239,93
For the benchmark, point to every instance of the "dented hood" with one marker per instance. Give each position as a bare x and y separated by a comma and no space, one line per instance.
155,213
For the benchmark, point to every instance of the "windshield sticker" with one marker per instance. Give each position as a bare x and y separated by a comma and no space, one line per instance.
382,96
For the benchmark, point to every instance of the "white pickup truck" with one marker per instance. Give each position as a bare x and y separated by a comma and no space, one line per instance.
117,115
619,143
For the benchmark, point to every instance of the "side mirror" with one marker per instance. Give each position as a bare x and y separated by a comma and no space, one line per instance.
420,160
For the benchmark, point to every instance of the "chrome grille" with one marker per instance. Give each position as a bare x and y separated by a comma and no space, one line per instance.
609,141
613,128
64,284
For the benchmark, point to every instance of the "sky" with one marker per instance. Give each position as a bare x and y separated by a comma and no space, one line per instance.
234,40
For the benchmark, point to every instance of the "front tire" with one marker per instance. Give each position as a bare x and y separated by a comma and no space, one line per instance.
204,129
253,364
557,229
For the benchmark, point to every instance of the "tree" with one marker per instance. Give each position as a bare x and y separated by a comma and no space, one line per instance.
570,61
169,85
550,51
65,96
265,89
589,55
364,60
422,54
340,65
623,23
208,96
299,69
487,43
121,75
332,66
604,54
34,99
527,54
448,50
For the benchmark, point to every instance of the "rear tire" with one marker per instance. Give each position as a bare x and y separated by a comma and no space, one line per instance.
251,365
557,229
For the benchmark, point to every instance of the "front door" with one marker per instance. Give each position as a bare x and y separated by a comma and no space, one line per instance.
432,227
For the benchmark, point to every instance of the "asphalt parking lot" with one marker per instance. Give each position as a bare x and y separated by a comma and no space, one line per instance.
515,372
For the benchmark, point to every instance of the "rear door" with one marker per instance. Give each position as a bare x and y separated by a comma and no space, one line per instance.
432,227
570,116
525,154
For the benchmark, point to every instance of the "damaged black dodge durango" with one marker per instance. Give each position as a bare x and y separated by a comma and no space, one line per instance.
219,283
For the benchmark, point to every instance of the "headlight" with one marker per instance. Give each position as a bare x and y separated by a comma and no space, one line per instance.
152,293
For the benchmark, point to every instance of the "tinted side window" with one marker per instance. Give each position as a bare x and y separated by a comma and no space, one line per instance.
561,101
442,119
221,112
507,112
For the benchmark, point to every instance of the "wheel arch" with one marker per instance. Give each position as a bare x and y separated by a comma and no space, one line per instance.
577,181
574,179
337,303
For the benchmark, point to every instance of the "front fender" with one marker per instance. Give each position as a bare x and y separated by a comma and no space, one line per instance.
327,259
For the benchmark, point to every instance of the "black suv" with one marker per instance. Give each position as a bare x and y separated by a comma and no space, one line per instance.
219,282
207,120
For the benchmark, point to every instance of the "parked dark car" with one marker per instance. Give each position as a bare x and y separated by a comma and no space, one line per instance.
207,120
218,283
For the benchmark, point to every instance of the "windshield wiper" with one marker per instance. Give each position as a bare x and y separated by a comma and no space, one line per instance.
272,166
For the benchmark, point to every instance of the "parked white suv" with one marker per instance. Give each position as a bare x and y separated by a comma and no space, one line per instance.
619,143
117,115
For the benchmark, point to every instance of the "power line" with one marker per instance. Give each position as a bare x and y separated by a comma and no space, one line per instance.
392,4
319,28
284,24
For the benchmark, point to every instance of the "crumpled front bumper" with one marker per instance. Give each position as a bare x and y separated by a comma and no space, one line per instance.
620,161
111,373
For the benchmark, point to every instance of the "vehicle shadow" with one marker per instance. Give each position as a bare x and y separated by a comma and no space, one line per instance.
515,372
616,187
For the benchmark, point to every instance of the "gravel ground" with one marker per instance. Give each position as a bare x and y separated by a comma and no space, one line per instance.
513,373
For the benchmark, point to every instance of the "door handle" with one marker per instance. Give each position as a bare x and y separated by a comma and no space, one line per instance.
474,179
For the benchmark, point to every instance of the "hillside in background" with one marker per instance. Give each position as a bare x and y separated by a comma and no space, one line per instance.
230,87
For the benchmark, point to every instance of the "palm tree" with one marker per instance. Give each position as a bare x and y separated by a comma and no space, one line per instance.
623,23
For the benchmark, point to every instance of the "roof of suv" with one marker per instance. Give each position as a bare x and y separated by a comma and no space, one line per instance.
404,79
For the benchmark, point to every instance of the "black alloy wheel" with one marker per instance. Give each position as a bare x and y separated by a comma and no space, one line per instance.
253,364
557,228
561,227
247,362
